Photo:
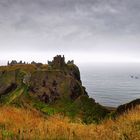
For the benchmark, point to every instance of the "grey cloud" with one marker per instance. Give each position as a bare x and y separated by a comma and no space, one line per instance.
100,15
59,24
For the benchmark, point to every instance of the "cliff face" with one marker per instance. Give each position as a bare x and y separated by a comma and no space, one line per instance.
52,85
47,83
50,89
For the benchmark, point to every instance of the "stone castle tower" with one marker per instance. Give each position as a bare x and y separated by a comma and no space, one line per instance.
58,61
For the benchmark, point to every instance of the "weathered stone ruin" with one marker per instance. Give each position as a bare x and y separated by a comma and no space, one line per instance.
70,62
58,62
14,62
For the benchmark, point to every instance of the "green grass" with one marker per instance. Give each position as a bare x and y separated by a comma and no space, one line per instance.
13,96
7,99
44,108
7,135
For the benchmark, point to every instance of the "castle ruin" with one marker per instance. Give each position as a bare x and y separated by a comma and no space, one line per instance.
58,61
14,62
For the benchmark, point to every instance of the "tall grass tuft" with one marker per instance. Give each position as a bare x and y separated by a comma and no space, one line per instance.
25,124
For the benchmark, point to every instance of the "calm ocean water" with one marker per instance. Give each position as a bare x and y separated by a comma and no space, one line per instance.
111,84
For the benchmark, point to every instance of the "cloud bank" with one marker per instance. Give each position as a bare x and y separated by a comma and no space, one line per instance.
70,26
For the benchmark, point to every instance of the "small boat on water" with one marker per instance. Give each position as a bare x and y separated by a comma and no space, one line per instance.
132,76
135,77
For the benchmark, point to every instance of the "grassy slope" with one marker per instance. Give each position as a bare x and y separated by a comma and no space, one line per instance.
18,123
28,67
13,95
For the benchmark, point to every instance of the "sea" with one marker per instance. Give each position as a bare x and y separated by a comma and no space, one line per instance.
111,84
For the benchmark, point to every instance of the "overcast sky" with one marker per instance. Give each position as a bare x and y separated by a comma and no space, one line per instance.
84,30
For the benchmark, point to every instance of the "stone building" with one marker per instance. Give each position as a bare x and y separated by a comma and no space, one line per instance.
14,62
58,61
70,62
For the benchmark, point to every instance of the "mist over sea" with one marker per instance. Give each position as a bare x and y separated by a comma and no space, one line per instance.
111,84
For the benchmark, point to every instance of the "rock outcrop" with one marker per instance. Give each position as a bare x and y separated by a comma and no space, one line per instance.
56,85
128,106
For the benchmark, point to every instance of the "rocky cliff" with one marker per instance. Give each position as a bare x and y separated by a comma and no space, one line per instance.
52,88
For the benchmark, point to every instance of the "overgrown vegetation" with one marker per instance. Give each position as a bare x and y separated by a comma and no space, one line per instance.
7,99
46,109
19,123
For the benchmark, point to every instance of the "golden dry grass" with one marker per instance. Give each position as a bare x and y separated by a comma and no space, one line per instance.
18,123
